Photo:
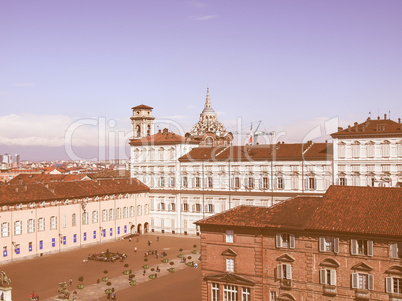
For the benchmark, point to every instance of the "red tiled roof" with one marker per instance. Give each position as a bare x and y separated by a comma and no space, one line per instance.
15,193
162,138
366,210
45,178
141,107
280,151
376,127
348,209
291,214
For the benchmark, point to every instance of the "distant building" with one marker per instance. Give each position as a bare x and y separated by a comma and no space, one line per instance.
345,245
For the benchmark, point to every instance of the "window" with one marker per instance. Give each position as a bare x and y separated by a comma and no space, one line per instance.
4,251
94,216
229,264
245,294
17,248
328,276
399,148
85,236
197,182
185,182
229,236
161,182
363,281
361,247
125,212
279,182
229,292
5,229
265,183
284,271
210,208
250,183
73,220
393,285
197,207
64,221
85,219
295,182
41,224
31,226
285,240
236,184
53,242
147,208
396,250
329,244
17,227
104,215
111,214
41,244
311,183
356,149
75,238
185,206
132,213
139,210
215,291
385,147
341,150
118,213
172,182
342,181
53,223
370,149
210,182
273,296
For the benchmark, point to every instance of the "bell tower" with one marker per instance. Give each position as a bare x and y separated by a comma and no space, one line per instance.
142,121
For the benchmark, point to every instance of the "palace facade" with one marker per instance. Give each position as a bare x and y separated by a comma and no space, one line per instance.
345,245
46,217
201,173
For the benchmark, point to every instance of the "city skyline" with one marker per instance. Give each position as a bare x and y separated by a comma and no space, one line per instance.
293,65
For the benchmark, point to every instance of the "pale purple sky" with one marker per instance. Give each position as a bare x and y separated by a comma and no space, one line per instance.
291,64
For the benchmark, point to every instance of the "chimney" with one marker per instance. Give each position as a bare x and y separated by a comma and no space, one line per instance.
340,128
356,127
385,116
399,120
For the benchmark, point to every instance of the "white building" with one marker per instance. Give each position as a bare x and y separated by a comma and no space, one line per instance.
40,218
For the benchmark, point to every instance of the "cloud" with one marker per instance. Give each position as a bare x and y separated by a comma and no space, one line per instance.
61,130
26,85
197,4
204,18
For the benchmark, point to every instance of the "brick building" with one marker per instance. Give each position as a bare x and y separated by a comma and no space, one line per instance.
345,245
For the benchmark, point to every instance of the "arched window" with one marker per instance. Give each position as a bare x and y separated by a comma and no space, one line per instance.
209,142
138,131
148,130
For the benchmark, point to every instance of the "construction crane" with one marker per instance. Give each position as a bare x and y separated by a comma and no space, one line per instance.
254,135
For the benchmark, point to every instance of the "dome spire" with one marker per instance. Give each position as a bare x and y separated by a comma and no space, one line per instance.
208,100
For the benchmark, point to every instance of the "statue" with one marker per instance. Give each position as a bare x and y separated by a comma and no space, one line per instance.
4,280
63,291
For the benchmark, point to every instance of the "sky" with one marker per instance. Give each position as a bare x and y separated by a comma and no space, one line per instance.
70,71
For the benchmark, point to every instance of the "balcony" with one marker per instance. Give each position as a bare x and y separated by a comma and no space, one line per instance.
329,290
362,294
286,284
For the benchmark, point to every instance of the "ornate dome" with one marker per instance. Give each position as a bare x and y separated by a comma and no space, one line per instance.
208,130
